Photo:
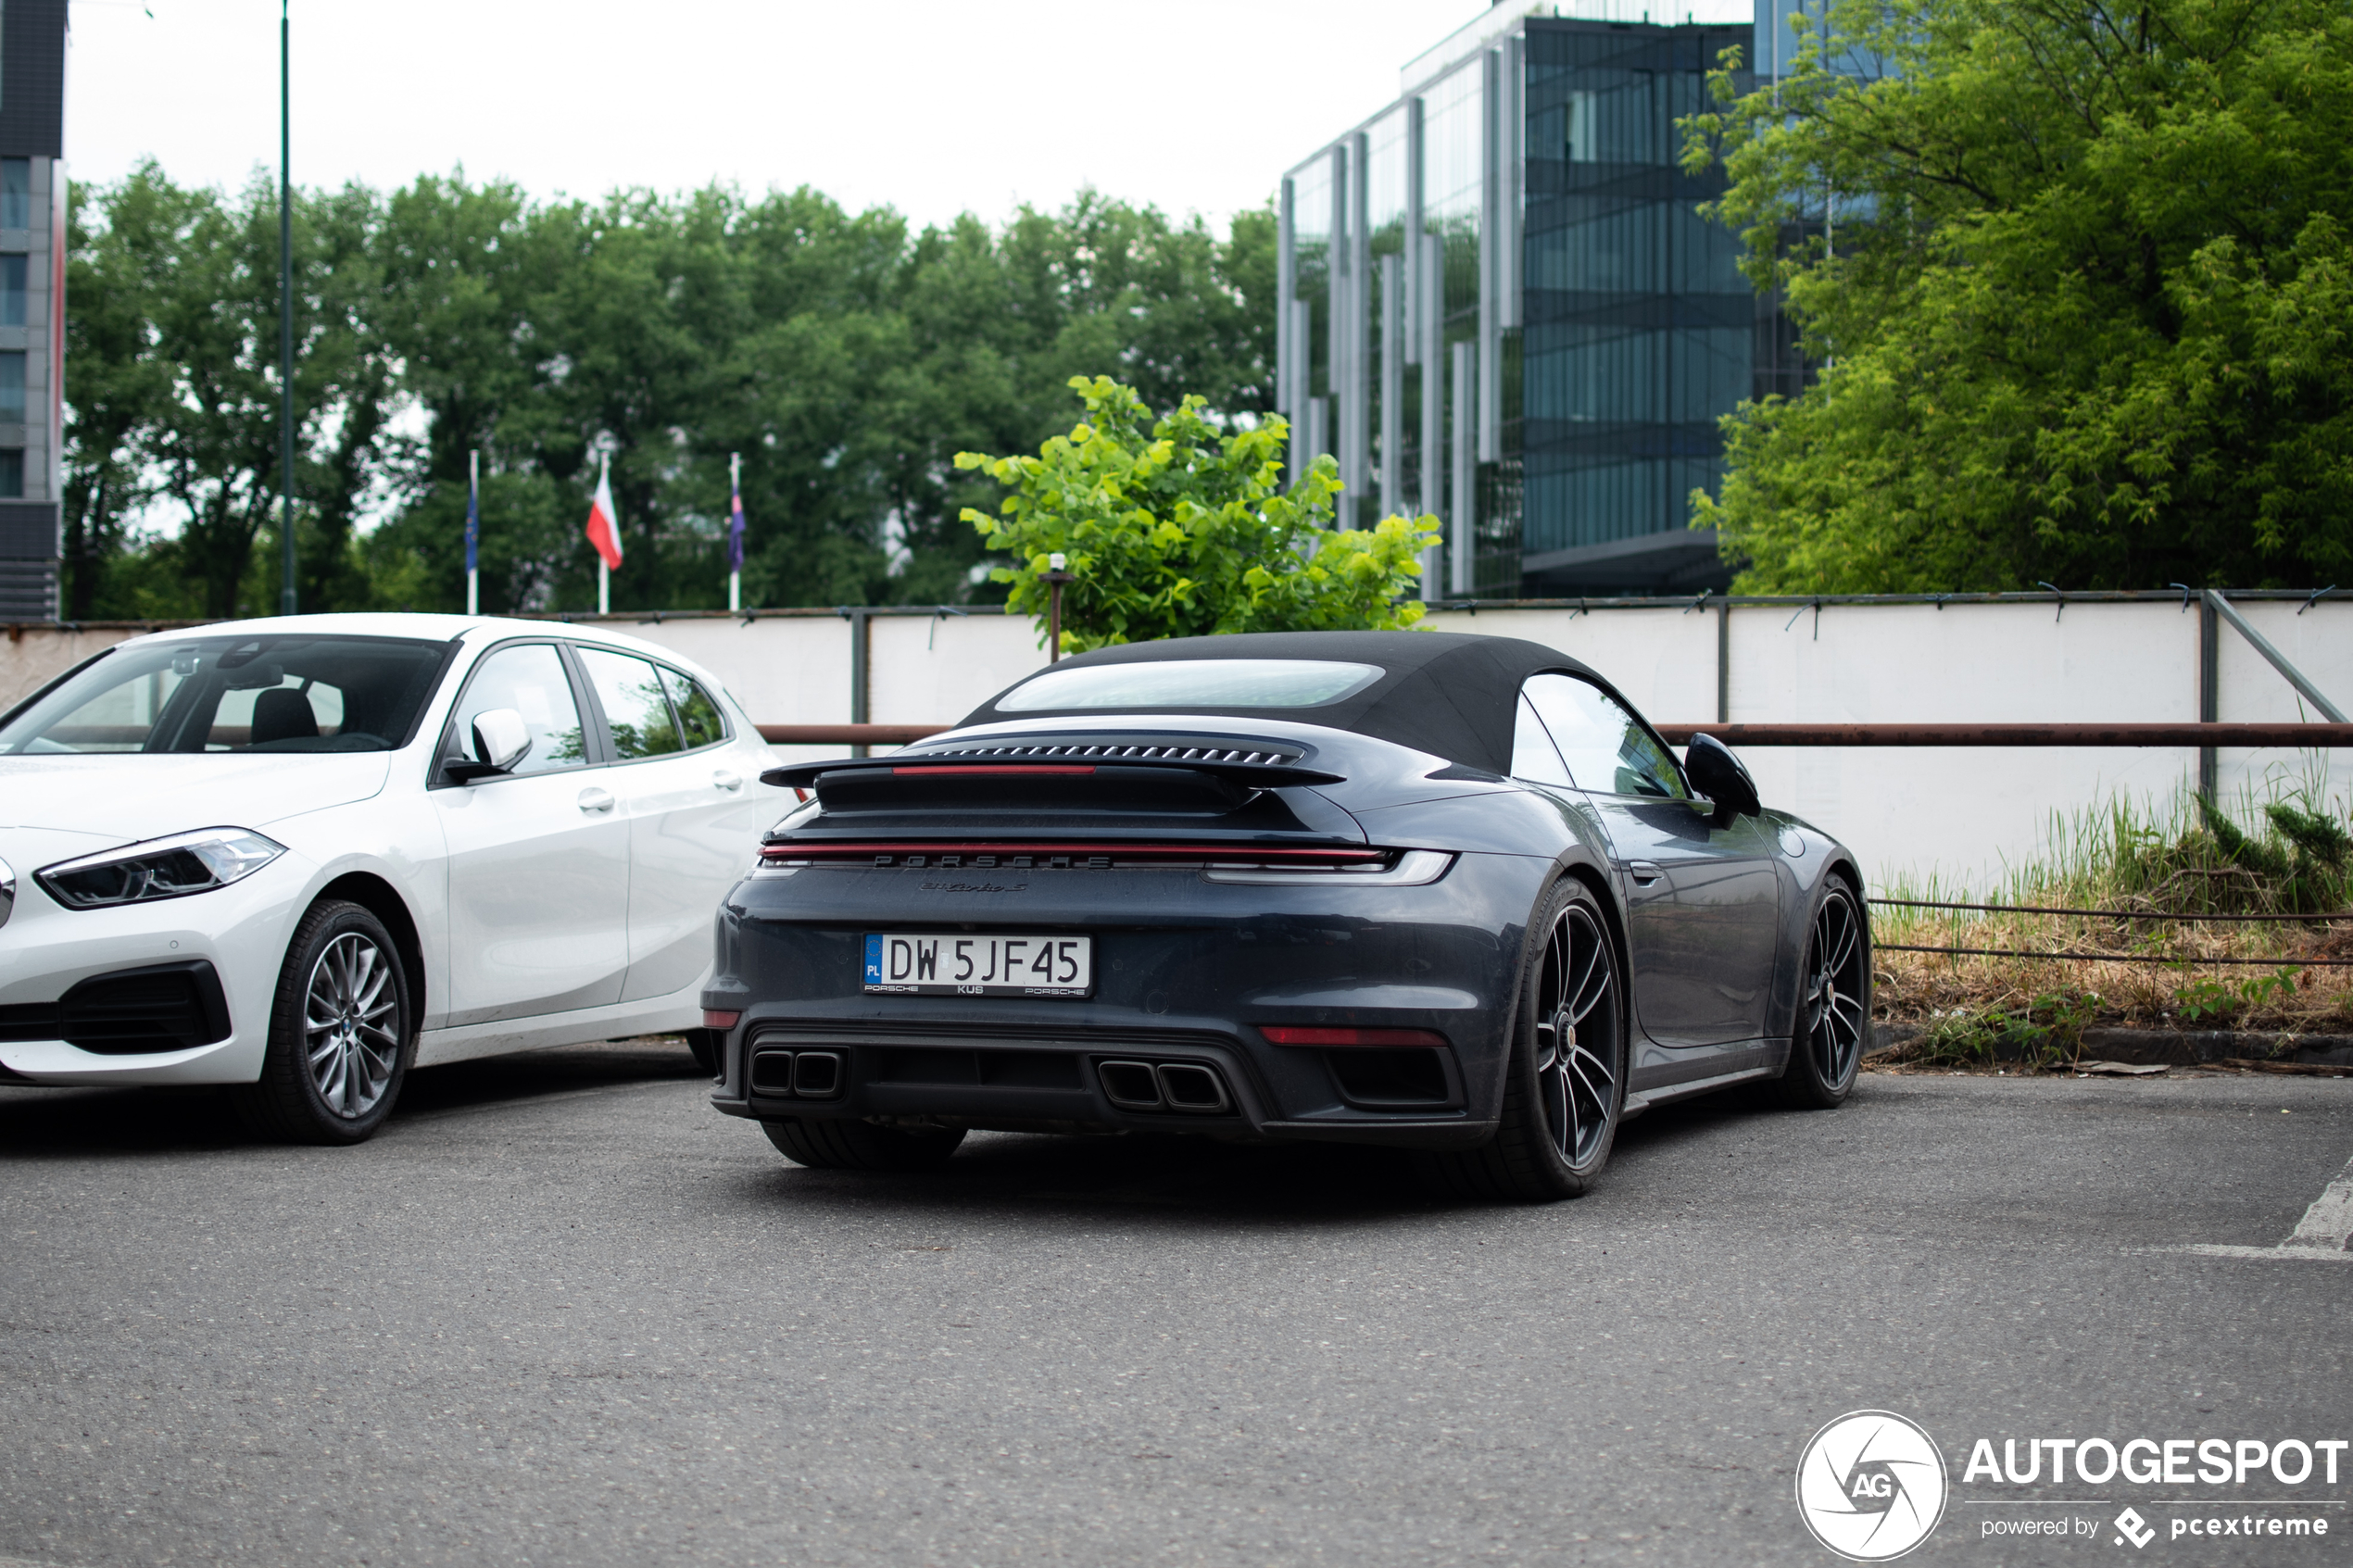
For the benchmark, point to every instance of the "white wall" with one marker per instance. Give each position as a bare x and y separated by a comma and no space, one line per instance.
1960,812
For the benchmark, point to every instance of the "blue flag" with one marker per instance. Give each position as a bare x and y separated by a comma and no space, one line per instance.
735,531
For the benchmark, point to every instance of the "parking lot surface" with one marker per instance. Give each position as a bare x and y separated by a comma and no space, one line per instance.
560,1312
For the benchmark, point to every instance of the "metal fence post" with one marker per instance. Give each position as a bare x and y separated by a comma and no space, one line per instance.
861,618
2210,690
1724,662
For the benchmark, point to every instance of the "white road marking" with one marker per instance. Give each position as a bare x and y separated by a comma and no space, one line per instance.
2318,1238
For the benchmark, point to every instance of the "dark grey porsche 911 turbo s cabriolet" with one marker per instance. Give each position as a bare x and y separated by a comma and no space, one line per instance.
1447,893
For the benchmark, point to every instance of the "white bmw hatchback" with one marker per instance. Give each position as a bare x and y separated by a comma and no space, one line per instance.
301,855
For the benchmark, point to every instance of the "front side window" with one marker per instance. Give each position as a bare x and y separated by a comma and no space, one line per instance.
1608,749
284,692
637,712
529,678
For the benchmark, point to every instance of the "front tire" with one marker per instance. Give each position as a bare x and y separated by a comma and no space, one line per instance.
1834,1007
341,1032
1564,1078
832,1144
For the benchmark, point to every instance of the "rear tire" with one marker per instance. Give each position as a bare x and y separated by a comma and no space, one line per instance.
832,1144
1833,1006
341,1032
1565,1079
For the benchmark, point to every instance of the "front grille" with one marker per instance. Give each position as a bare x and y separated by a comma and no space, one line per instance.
131,1012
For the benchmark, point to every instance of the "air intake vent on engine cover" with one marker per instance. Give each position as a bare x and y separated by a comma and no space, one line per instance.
1150,748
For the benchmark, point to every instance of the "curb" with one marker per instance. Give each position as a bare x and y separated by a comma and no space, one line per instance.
2171,1047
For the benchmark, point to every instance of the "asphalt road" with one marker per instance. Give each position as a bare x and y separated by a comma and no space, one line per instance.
563,1312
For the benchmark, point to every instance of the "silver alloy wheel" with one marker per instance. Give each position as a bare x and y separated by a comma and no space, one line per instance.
1577,1010
348,1027
1834,988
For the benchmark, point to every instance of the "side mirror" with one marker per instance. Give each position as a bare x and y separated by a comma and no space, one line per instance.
1717,775
501,740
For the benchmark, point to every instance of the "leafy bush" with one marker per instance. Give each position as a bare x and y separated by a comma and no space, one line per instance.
2046,1032
1180,530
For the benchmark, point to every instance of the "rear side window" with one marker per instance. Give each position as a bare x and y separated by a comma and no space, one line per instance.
1534,757
699,720
1608,749
637,712
530,679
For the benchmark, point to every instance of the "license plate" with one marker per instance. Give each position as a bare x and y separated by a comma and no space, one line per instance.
979,966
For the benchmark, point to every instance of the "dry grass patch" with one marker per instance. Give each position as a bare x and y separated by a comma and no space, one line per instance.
2142,962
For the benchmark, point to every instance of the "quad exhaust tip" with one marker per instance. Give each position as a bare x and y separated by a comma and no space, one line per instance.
1185,1087
797,1075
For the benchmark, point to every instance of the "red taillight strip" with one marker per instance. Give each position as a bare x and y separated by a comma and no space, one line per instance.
1024,769
1293,1034
1239,852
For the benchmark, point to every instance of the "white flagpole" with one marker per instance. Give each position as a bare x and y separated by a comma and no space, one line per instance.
734,490
604,573
473,498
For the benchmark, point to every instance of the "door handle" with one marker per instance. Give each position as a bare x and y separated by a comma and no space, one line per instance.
721,779
593,799
1643,872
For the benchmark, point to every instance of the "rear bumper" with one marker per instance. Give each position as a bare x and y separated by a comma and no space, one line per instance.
1039,1082
1185,970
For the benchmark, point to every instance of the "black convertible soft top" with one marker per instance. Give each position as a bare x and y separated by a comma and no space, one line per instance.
1449,694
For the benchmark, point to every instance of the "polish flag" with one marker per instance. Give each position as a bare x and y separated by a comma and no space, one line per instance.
604,531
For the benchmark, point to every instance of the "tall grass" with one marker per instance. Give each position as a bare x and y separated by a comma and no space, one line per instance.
2280,848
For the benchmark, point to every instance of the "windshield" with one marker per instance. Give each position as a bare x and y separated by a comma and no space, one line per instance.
1192,683
277,693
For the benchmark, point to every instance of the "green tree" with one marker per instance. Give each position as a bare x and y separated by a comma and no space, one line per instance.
2083,304
1176,530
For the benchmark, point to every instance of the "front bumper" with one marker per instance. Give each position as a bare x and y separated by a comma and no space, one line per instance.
1186,972
241,930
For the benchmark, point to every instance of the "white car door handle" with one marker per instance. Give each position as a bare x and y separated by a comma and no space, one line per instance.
1642,871
721,779
595,800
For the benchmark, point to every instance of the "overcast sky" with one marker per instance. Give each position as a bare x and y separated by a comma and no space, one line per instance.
931,108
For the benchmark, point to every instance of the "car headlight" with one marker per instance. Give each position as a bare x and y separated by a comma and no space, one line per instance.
159,868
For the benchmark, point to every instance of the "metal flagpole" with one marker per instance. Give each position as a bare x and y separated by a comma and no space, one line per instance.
604,572
735,538
285,307
473,531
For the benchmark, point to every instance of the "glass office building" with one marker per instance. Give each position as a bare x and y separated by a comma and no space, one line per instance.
1500,304
33,279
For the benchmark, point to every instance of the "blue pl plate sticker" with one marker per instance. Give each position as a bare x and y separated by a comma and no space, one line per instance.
873,958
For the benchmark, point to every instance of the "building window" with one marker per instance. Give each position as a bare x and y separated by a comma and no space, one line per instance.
12,289
16,192
12,388
12,473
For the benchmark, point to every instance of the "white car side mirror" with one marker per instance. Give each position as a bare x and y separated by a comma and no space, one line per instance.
501,739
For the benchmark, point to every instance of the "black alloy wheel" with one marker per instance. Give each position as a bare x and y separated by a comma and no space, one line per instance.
1835,1003
341,1032
1565,1082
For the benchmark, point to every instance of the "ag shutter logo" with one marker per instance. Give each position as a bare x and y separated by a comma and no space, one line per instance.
1870,1486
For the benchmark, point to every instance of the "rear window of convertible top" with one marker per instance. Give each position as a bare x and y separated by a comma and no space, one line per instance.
1193,682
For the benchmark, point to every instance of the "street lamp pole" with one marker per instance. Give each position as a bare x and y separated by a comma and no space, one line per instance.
286,308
